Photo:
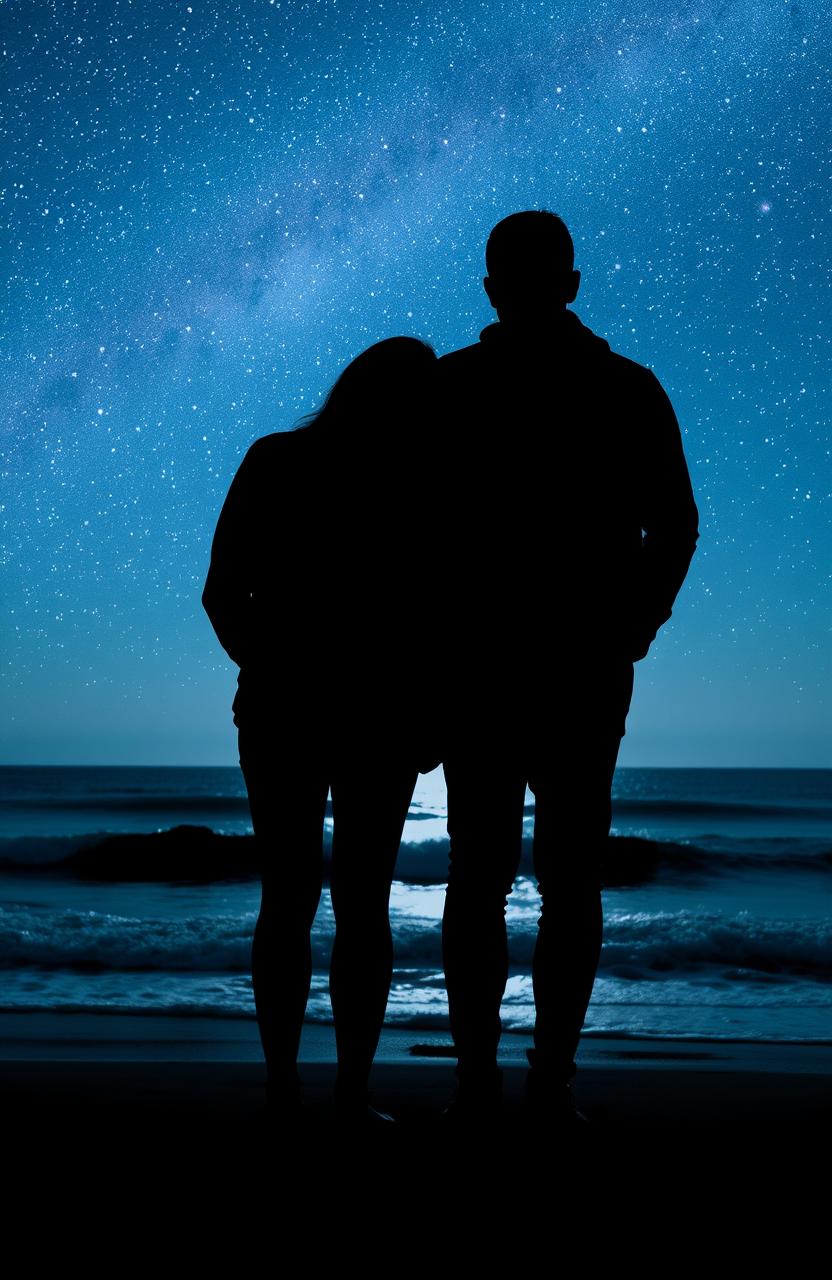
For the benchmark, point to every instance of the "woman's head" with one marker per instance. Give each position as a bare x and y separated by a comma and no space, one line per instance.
386,382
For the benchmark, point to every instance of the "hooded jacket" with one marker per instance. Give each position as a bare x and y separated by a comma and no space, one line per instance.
570,518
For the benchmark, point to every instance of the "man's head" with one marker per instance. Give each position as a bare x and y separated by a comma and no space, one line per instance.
530,262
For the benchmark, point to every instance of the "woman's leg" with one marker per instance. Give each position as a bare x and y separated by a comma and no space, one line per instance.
366,837
288,802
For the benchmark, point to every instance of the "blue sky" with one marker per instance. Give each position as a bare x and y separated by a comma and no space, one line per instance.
211,209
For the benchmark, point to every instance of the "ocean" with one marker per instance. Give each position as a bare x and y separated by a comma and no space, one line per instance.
132,890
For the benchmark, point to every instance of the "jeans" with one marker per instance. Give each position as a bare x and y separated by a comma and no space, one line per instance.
486,779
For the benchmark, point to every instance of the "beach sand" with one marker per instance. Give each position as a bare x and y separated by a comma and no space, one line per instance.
147,1139
143,1141
134,1092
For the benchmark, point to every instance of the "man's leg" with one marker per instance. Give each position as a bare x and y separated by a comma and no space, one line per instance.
363,861
288,803
572,822
485,828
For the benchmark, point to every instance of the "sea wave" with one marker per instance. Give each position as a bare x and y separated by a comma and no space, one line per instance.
688,808
677,1008
199,854
141,802
638,946
134,803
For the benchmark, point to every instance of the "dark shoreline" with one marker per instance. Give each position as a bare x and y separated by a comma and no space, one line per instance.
137,1124
684,1138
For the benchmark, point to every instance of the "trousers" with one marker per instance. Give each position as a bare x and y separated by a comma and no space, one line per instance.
571,781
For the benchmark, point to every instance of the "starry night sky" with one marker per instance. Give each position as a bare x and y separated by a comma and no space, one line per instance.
211,208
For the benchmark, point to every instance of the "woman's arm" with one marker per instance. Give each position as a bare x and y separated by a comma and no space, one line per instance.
226,596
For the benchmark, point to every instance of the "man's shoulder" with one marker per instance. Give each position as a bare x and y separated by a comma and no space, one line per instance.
621,368
635,392
632,388
630,370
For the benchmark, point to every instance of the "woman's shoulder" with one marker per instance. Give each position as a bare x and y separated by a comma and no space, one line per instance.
278,442
280,449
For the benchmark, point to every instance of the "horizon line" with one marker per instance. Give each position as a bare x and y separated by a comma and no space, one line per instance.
821,768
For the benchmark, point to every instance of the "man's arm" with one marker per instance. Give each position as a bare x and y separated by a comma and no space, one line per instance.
669,520
226,597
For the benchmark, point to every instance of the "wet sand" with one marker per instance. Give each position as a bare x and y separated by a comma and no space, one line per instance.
135,1093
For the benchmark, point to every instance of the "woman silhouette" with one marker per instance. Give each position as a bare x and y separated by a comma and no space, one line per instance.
308,592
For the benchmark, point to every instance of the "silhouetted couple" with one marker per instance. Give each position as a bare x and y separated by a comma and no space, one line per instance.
453,560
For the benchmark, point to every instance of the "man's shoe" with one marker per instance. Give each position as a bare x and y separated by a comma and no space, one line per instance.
550,1105
477,1102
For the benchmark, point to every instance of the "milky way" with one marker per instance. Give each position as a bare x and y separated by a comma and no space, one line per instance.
211,208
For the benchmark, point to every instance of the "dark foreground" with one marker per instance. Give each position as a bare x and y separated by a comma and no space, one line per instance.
179,1158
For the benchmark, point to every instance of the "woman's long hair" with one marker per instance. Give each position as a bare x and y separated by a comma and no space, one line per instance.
376,384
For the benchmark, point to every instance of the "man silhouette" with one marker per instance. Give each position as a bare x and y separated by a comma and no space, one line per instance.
570,527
